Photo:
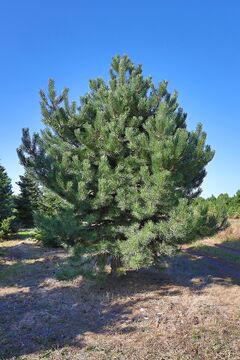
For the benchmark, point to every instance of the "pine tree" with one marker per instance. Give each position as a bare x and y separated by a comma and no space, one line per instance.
6,195
6,204
234,206
27,200
124,159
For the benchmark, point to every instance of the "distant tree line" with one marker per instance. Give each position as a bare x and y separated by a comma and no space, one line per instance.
230,203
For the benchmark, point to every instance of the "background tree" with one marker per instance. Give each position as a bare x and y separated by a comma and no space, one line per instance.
210,215
26,201
123,159
6,194
234,206
224,204
6,203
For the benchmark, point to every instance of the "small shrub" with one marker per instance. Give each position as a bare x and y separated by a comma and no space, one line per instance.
57,229
6,227
67,272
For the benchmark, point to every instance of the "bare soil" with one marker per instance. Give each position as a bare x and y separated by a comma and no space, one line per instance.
189,310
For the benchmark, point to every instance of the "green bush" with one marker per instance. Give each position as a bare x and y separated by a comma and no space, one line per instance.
6,227
57,229
234,206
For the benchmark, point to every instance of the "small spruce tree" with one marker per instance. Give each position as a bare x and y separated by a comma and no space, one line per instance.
124,160
26,202
6,203
6,195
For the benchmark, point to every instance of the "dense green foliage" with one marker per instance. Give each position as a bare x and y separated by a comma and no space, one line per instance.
234,205
6,203
208,218
55,221
6,195
7,226
26,202
124,161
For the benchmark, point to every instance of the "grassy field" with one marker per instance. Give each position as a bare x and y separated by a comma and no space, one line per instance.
189,310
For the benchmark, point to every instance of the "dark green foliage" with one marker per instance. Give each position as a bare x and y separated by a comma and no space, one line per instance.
68,270
6,195
55,221
234,206
6,204
208,217
197,220
225,204
27,200
7,227
123,159
50,204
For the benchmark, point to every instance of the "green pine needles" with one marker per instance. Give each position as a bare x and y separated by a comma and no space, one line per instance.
26,202
6,199
124,160
6,203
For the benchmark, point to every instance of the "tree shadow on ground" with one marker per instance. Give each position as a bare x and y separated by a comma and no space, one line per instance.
51,314
217,261
28,264
27,250
46,318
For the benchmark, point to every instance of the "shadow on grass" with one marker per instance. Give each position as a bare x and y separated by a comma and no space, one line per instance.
29,249
49,317
46,318
27,264
223,257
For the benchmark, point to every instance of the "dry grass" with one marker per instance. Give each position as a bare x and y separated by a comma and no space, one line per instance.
232,233
225,246
191,310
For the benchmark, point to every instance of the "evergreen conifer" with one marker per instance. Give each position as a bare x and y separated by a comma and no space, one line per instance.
124,160
6,195
26,201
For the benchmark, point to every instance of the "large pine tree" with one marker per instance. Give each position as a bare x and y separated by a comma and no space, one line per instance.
124,159
26,201
6,195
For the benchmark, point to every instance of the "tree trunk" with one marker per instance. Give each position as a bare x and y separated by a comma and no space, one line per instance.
115,264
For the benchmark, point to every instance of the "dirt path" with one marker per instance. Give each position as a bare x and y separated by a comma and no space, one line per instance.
191,310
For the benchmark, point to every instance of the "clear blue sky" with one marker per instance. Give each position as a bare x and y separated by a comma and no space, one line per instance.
194,44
